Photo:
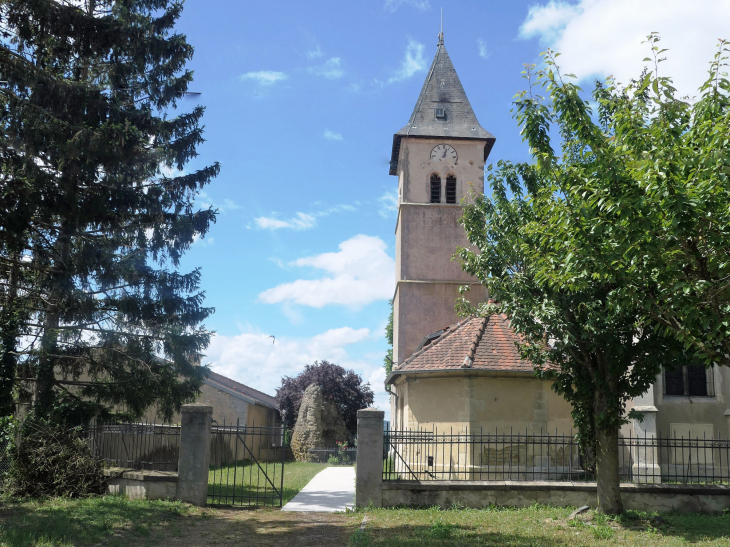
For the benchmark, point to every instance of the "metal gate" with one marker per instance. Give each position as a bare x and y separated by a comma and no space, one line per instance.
246,465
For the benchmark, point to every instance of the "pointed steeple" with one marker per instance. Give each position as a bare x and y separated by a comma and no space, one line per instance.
442,109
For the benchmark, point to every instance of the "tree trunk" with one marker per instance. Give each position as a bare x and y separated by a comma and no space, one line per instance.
9,328
607,476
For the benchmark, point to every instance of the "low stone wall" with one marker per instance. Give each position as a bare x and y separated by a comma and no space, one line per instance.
641,497
135,484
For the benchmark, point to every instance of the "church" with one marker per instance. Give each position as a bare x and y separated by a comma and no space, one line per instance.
466,374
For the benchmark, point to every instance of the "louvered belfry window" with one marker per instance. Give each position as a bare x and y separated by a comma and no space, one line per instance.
451,189
435,189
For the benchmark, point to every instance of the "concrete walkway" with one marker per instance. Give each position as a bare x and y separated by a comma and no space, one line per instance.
332,489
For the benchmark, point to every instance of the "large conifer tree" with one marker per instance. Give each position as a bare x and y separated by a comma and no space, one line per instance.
97,209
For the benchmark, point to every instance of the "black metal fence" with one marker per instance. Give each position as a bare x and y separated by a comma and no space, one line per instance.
247,465
150,446
478,456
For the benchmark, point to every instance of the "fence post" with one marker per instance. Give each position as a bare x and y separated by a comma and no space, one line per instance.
192,485
369,479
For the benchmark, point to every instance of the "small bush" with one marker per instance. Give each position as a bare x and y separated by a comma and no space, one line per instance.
333,460
53,459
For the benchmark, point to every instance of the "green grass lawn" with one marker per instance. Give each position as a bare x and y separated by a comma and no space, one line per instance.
245,483
66,522
119,522
534,526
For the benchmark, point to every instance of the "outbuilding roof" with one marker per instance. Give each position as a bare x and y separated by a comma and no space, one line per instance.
477,343
253,395
455,119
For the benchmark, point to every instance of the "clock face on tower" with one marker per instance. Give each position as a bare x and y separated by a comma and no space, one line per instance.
444,152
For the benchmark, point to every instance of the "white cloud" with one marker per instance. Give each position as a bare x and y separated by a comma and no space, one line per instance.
332,136
598,38
360,273
393,5
229,205
264,77
413,62
330,69
483,51
256,360
301,221
388,203
314,53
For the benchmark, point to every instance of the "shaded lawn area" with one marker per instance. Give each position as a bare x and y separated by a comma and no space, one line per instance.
115,521
64,521
245,483
534,526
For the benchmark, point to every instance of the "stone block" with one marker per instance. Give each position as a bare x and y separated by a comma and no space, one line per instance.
319,425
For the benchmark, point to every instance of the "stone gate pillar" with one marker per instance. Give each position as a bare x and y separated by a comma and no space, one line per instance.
369,479
194,460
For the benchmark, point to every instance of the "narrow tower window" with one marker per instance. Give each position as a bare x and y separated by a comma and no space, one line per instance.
451,189
435,189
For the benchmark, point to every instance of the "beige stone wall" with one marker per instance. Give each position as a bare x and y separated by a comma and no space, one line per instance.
416,167
225,407
260,416
226,410
650,498
427,236
493,403
695,411
424,308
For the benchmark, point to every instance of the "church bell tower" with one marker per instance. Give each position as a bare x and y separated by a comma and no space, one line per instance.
438,156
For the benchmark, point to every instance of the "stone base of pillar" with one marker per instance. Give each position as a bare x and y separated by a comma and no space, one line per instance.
646,473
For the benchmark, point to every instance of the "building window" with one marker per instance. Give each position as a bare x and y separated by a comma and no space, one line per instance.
451,189
435,189
689,381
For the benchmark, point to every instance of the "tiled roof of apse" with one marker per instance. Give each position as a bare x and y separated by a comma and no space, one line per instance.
442,89
477,343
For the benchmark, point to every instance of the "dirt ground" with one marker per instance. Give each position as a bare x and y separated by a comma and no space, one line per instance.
261,527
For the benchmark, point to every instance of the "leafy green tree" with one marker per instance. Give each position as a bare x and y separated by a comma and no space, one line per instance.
388,359
577,247
95,313
672,237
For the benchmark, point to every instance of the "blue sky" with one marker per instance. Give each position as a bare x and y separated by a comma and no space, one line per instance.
302,100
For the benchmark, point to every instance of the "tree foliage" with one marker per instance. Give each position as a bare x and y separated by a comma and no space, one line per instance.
343,387
97,208
597,253
388,359
53,460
